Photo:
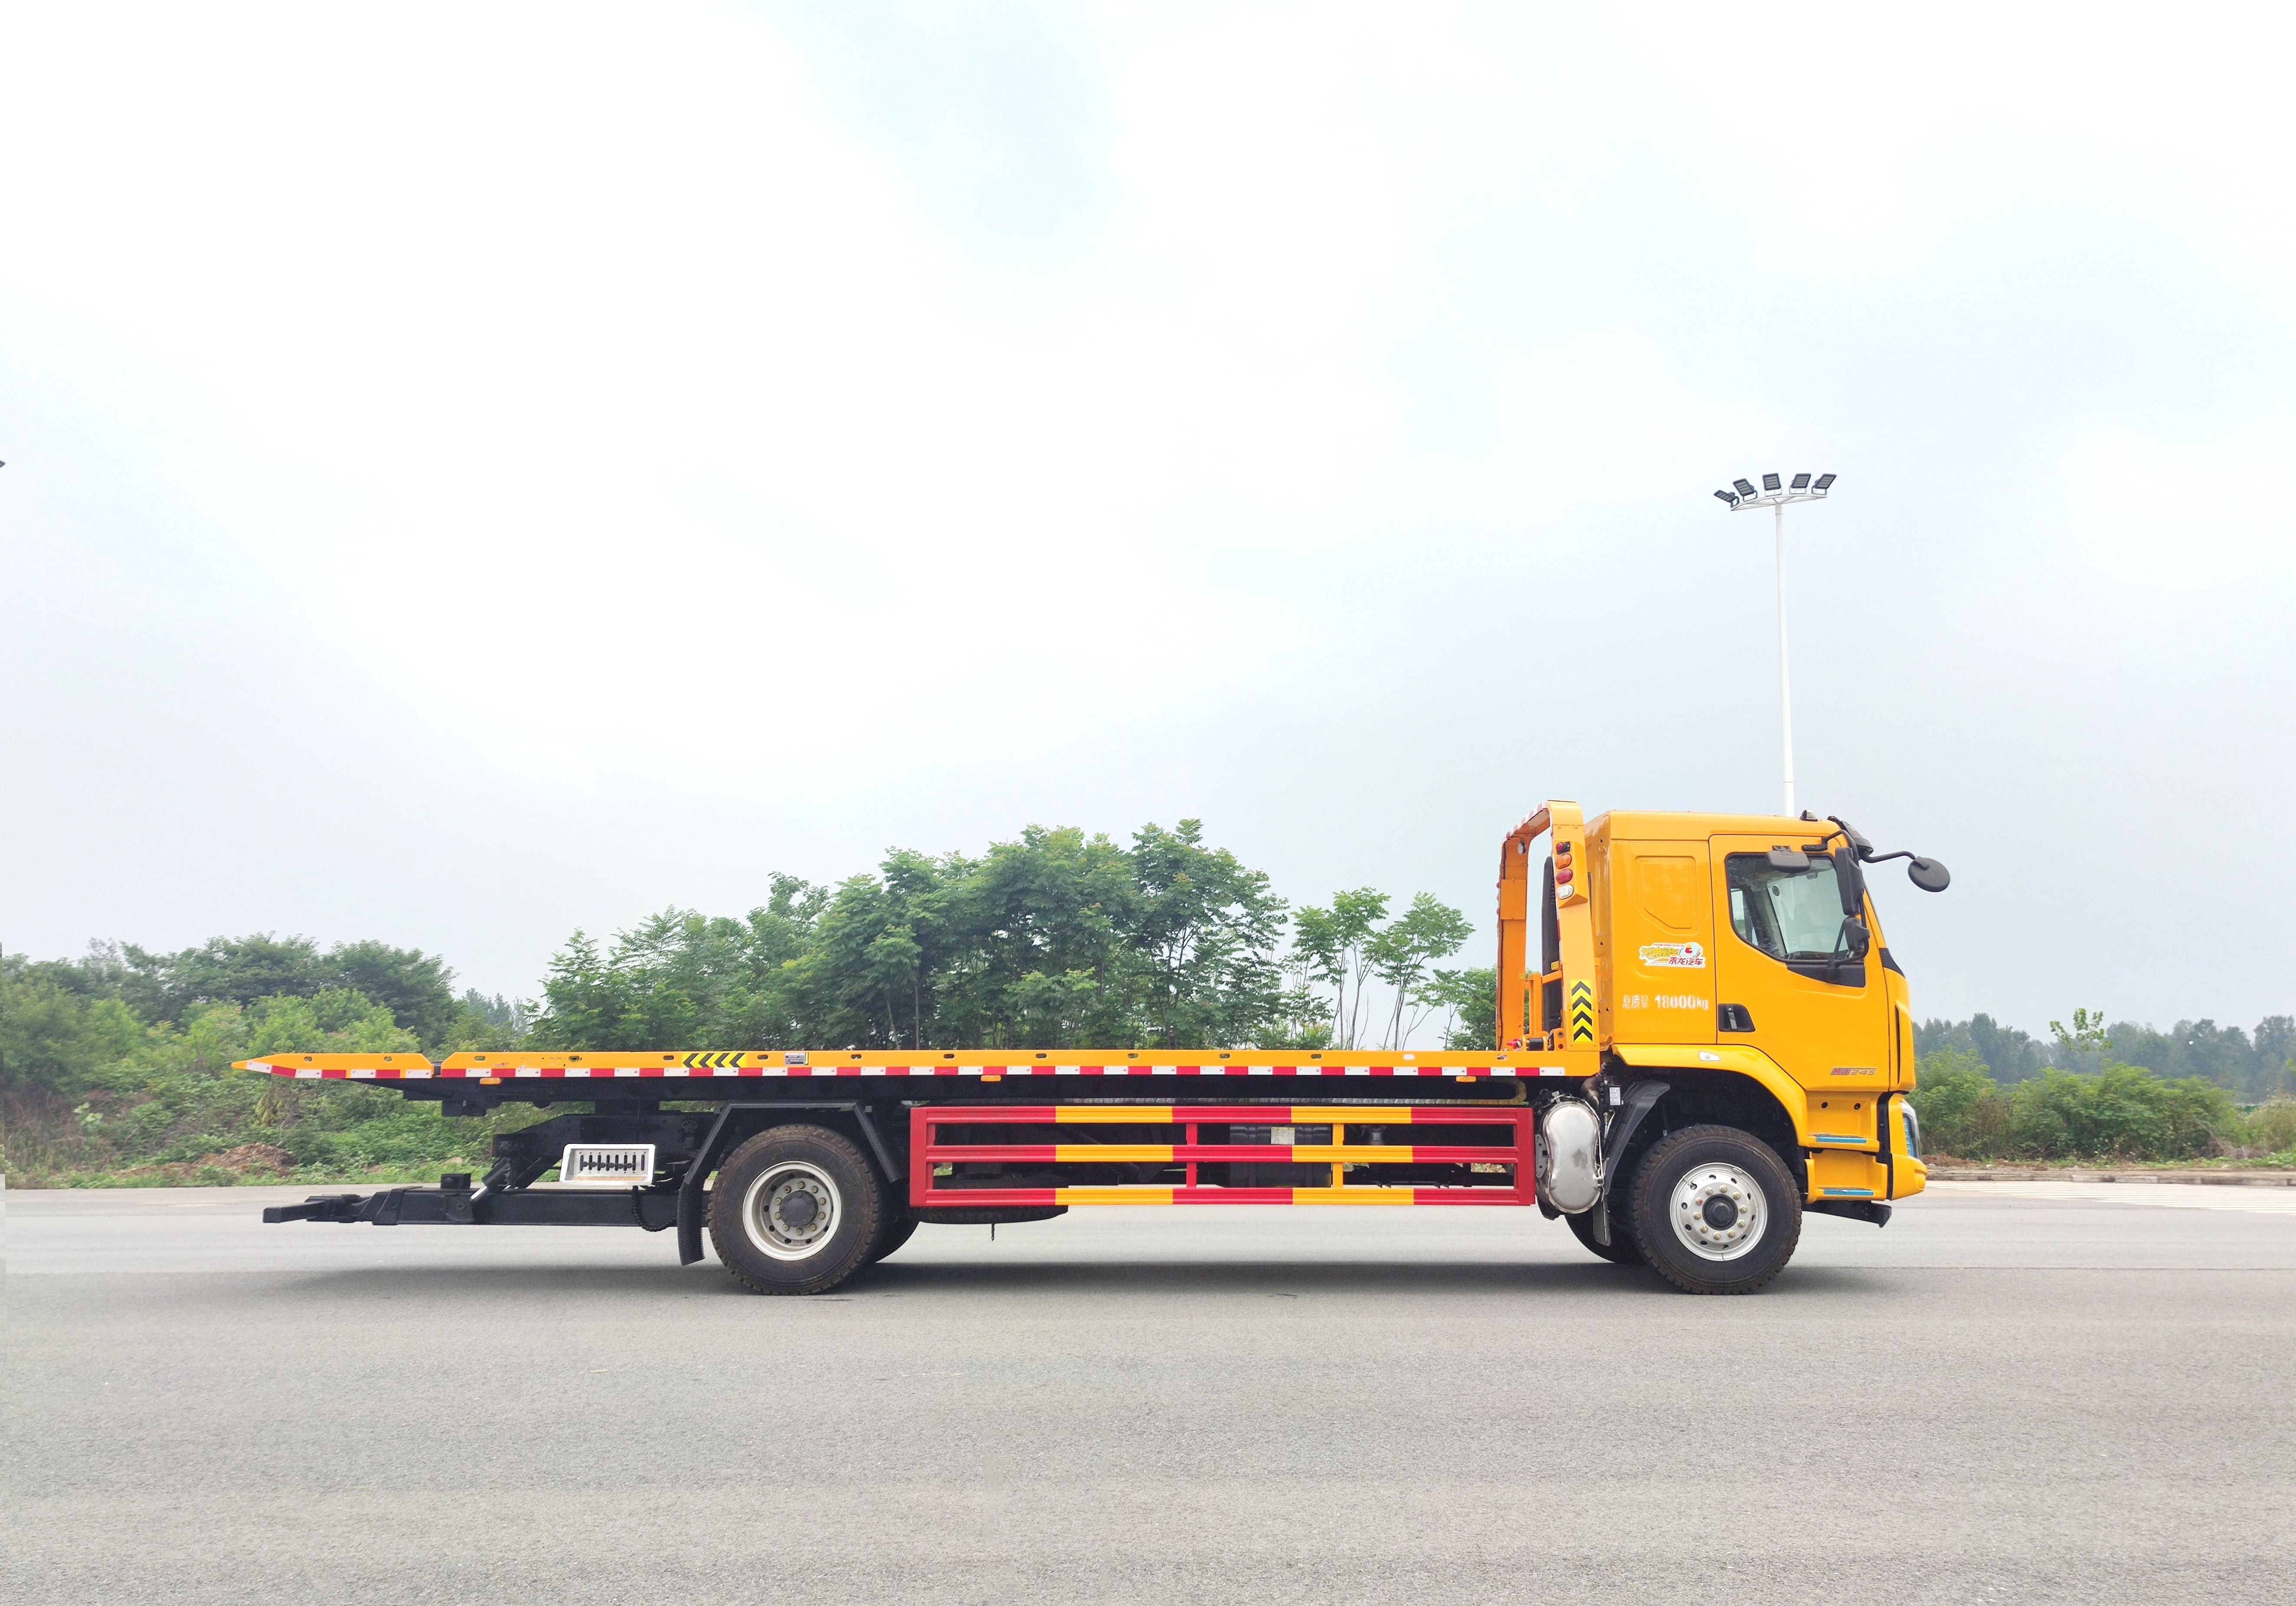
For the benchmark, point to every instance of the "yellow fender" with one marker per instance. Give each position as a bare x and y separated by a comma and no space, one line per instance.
1750,1062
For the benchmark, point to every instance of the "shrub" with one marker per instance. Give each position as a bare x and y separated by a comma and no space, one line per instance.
2123,1111
1963,1112
2272,1125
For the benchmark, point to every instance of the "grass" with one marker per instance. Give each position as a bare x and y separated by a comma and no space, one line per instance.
236,1130
2283,1161
246,1167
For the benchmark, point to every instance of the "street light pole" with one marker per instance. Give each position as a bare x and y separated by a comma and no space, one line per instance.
1774,497
1785,678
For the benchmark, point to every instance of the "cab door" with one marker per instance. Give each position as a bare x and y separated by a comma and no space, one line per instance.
1662,934
1788,981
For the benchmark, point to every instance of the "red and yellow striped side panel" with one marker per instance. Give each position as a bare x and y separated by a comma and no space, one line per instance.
1366,1195
929,1152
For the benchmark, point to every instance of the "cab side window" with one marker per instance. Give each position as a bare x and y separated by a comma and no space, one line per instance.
1793,915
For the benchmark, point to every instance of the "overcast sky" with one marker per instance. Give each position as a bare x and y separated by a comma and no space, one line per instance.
478,470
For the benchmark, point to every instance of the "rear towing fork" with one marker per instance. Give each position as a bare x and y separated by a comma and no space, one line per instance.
691,1144
455,1203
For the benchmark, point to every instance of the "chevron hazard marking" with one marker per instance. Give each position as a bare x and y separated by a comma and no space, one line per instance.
1582,1012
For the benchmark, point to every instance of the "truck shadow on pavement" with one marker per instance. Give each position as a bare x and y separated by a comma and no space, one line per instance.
1291,1278
1273,1279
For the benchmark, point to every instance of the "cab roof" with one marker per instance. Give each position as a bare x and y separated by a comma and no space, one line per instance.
1646,825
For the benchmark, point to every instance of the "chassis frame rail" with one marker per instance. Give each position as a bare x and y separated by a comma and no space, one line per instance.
653,1210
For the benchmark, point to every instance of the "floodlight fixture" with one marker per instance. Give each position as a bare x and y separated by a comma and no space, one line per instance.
1745,487
1769,482
1728,497
1825,484
1801,483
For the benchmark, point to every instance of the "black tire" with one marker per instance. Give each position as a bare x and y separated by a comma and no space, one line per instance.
895,1227
1746,1230
774,1242
1620,1252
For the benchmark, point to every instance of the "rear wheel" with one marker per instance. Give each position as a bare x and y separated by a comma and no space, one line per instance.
795,1210
1714,1210
1620,1252
895,1228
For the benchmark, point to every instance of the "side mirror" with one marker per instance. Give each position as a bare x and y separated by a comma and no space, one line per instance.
1860,940
1929,875
1850,877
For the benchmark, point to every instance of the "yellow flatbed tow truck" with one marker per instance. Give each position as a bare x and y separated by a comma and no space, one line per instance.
1712,1038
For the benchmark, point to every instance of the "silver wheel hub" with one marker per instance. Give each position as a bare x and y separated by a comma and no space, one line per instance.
791,1210
1719,1211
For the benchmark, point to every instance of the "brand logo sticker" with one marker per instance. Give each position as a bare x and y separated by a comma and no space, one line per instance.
1674,956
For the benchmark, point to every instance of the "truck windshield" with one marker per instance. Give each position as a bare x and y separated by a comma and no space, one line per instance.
1789,915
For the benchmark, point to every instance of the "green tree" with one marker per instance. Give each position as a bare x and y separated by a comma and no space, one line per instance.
2085,1041
1031,946
224,969
1302,1019
332,1021
1470,999
1403,956
2224,1054
481,1023
864,972
416,987
1056,939
2010,1053
1336,944
55,1036
2274,1048
677,980
1352,942
1204,929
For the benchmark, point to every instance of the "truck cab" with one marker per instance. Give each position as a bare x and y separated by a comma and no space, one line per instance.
1732,971
1752,943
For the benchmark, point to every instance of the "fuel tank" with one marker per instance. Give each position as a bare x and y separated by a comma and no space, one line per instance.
1569,1155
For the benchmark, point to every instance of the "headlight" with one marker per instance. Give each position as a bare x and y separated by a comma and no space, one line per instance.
1913,1130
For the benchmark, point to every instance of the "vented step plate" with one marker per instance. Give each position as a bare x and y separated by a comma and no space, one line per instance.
606,1165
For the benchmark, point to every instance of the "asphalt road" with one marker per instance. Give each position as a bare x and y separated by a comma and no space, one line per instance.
2003,1396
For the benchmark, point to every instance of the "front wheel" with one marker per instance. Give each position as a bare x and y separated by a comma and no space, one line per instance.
1714,1210
795,1210
1620,1252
